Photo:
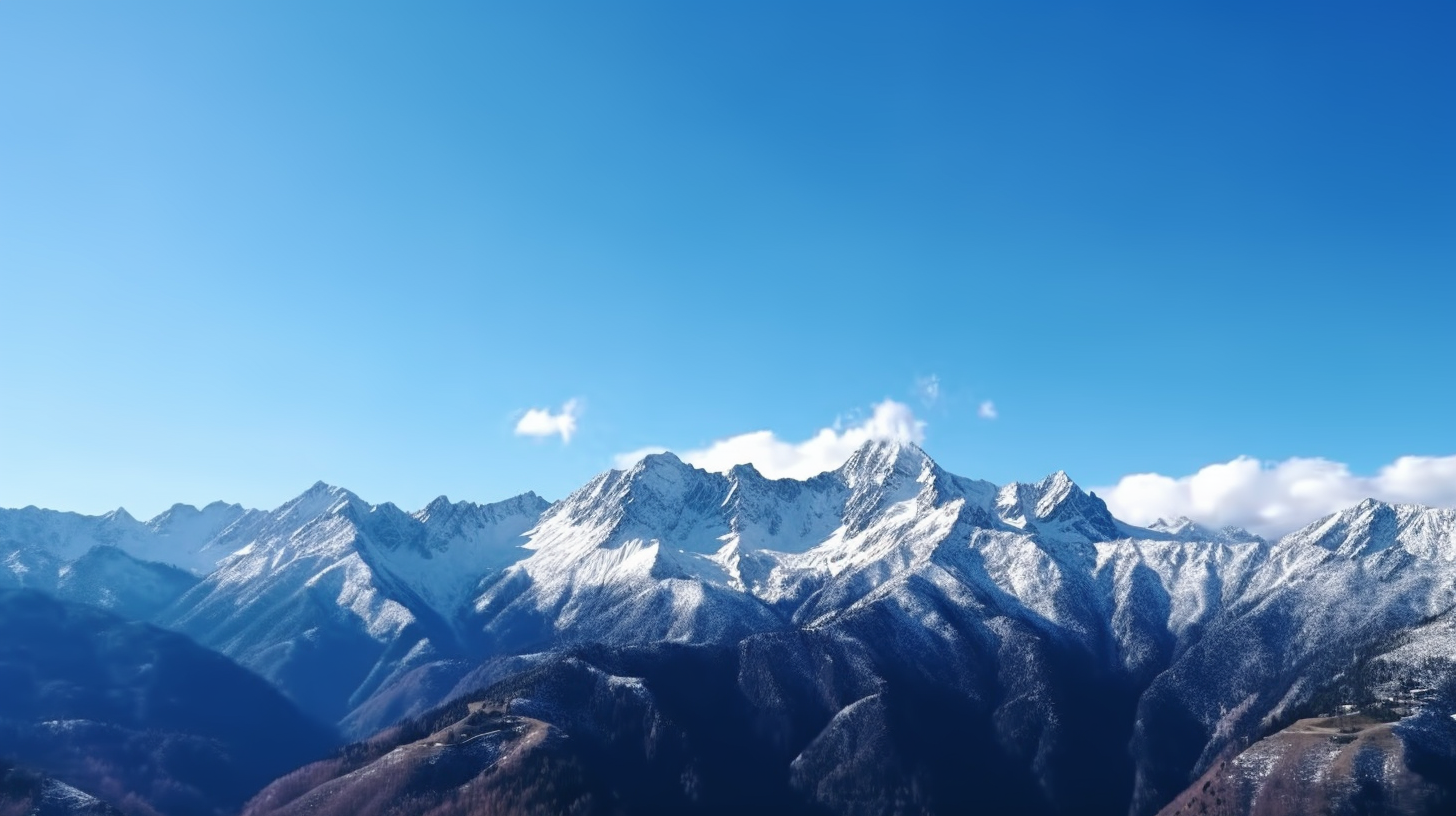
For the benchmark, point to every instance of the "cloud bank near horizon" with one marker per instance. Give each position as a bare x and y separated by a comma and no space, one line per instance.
1274,498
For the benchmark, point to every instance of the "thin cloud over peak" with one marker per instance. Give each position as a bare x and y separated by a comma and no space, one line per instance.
776,458
928,389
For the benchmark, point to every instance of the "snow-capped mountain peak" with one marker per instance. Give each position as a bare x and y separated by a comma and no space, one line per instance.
660,498
119,516
1373,526
880,474
745,472
1055,508
436,508
1177,527
878,461
319,499
1054,489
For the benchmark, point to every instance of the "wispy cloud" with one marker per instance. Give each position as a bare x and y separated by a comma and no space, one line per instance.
825,450
928,390
987,410
541,422
1274,498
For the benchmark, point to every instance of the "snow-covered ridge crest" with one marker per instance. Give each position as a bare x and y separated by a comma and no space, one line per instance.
329,595
1372,527
629,543
1057,509
434,555
737,529
181,536
756,544
691,511
303,594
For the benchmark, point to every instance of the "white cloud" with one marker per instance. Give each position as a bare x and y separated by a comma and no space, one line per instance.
987,410
825,450
540,422
1273,498
928,389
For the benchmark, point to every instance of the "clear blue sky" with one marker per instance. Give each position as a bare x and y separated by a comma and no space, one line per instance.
245,246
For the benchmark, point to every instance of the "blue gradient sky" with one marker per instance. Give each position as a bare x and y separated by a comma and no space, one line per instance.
247,246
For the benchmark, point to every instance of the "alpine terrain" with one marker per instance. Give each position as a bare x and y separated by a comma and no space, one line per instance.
886,637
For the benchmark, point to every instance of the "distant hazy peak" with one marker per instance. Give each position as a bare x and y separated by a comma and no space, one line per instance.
442,509
188,514
1183,528
119,515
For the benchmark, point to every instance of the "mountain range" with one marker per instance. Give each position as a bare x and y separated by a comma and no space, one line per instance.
886,637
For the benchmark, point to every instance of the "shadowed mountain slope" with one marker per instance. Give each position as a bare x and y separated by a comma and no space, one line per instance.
140,717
